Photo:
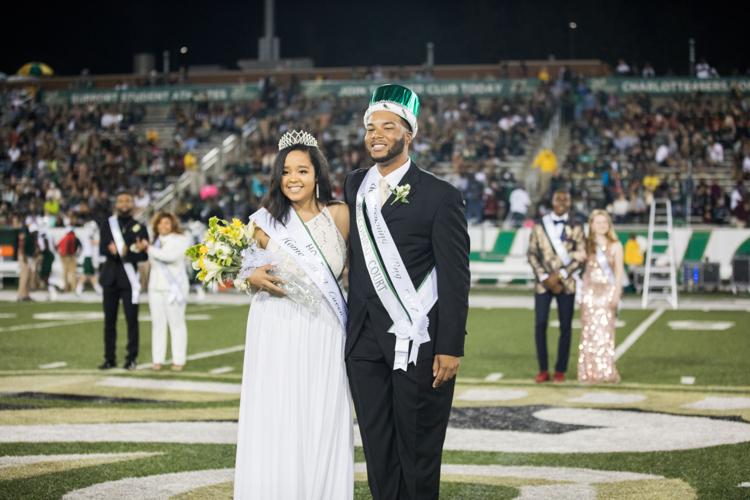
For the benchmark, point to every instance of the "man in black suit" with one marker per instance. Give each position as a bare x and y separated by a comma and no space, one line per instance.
123,241
402,380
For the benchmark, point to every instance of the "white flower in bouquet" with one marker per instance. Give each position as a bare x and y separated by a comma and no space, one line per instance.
213,270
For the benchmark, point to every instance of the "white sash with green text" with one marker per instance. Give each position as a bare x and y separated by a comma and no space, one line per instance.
297,241
407,307
130,271
554,238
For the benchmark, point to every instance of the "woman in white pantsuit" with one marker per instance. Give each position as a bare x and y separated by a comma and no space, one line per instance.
168,290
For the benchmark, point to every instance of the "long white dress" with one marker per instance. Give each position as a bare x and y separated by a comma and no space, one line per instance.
295,438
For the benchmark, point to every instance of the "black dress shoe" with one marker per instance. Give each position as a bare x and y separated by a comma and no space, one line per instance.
130,365
107,365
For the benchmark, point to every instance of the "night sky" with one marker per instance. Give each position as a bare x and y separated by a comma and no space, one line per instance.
103,36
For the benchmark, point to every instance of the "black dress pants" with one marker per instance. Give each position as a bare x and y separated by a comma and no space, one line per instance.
565,306
402,420
111,303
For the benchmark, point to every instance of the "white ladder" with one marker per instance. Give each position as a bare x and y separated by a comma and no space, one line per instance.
660,278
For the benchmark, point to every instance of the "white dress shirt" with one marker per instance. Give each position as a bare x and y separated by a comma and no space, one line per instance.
559,228
395,177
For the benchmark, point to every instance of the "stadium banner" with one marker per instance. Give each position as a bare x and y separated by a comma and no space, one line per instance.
312,89
155,95
437,88
364,89
670,86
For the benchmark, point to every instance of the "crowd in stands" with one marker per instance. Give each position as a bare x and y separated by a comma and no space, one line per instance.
694,150
467,140
702,70
64,162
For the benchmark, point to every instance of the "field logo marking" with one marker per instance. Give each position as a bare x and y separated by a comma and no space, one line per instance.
169,385
153,487
606,398
492,395
28,466
606,431
720,403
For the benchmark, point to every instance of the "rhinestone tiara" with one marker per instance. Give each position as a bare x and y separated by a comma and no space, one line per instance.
294,137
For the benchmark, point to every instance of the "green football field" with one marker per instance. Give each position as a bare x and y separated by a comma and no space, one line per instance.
678,426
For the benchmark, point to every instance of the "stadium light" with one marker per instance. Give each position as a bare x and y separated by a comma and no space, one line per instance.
572,38
183,50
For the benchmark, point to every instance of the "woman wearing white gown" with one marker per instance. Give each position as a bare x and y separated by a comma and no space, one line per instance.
295,438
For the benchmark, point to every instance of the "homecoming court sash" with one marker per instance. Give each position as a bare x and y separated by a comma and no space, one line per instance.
175,293
407,307
554,238
601,259
297,241
130,270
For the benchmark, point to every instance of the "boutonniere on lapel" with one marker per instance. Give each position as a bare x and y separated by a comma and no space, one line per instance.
400,193
136,228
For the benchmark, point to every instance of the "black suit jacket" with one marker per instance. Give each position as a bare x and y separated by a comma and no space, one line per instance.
429,231
112,273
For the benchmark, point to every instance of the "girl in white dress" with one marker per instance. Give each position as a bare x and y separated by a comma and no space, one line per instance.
295,438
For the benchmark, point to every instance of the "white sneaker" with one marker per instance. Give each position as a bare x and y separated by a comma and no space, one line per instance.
98,289
52,293
79,289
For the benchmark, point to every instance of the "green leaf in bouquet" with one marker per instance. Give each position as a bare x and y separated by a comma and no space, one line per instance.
193,253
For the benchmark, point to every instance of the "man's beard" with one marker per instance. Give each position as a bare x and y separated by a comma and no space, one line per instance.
124,212
392,153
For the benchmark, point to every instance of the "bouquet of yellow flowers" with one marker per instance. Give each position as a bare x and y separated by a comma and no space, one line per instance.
218,258
230,253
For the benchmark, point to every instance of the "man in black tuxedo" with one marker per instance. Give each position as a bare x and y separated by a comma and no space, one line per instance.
117,280
403,409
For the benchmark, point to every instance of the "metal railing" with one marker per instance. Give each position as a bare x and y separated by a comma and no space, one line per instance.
213,162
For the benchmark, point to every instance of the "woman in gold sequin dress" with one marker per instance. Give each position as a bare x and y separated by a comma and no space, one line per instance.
600,296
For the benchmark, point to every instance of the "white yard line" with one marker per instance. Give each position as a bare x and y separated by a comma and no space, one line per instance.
638,332
493,377
47,324
221,370
52,324
202,355
56,364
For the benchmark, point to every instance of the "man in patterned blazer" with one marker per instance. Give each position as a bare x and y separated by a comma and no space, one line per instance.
556,251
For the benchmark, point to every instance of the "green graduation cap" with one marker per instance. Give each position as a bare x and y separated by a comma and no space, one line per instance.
397,99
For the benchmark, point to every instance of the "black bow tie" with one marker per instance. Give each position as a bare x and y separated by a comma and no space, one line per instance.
559,221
